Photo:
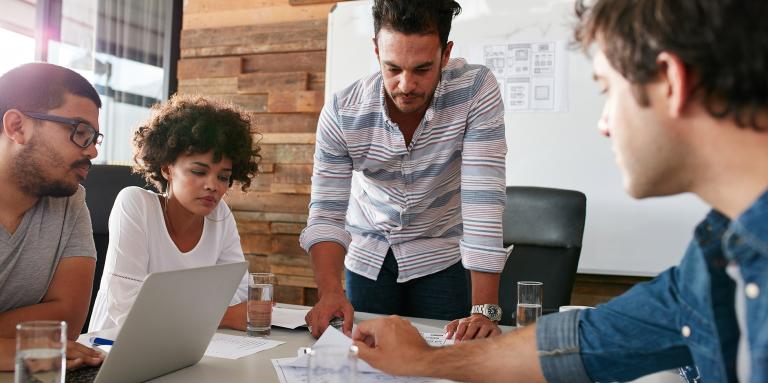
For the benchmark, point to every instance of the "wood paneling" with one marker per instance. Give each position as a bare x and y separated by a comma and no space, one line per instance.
268,14
258,82
208,86
244,40
309,61
210,67
285,122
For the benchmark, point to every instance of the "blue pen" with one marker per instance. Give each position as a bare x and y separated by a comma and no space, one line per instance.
96,341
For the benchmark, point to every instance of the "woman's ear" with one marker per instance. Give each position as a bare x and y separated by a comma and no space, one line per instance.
165,170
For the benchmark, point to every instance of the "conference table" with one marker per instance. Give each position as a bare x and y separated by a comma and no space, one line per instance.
258,367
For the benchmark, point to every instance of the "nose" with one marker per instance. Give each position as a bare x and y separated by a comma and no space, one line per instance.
210,183
407,83
602,127
91,151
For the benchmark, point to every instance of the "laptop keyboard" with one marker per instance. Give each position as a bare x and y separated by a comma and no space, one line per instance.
85,374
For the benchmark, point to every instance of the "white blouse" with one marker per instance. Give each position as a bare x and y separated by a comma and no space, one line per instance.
139,244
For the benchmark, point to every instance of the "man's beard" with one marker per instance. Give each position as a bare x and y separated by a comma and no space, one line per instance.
29,167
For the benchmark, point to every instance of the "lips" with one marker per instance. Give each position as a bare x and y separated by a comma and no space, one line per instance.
208,201
82,171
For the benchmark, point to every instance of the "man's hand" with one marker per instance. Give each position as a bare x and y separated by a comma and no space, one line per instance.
332,304
472,327
392,345
79,355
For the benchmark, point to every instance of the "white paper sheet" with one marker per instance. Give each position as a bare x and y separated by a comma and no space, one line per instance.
288,318
287,372
235,347
293,370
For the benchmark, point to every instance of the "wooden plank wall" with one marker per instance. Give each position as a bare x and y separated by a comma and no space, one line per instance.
267,56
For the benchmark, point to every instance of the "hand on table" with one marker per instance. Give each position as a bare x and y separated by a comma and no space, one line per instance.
333,304
474,326
79,355
391,344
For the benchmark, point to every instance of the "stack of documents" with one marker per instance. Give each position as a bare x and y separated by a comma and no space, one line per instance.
294,370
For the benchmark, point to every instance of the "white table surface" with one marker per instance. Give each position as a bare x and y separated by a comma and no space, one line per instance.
258,367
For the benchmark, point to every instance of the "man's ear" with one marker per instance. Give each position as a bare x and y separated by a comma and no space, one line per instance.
676,78
13,126
375,48
446,54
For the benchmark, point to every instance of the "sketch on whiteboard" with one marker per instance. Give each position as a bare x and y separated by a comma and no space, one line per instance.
531,76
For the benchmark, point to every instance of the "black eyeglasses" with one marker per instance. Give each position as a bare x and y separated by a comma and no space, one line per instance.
83,134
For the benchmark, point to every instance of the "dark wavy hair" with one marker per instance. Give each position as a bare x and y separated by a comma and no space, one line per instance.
724,43
194,125
416,17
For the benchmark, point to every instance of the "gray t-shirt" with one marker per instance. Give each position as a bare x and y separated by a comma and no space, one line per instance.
53,229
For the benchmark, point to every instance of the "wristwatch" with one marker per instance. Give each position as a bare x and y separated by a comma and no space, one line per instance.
490,311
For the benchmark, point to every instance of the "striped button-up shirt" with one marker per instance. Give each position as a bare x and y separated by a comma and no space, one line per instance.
434,203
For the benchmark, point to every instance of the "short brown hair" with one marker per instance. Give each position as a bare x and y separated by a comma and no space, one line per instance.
723,42
190,125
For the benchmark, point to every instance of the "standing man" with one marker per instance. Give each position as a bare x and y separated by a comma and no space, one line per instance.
408,188
687,110
50,119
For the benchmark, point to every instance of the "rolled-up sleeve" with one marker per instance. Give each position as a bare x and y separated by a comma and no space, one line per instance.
557,341
483,184
331,182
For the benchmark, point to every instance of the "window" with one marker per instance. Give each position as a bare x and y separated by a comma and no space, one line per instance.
127,49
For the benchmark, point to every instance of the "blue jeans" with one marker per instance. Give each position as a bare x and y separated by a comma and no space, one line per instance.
443,295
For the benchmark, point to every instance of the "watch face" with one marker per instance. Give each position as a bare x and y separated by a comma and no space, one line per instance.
493,311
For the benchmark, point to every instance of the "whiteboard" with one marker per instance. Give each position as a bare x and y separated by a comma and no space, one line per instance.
551,148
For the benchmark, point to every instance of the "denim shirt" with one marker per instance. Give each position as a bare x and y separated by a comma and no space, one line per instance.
684,316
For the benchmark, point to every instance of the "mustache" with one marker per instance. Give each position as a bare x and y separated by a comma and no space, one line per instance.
81,163
397,94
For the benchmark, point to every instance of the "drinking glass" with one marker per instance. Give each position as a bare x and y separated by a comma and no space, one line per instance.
41,352
261,288
529,295
332,364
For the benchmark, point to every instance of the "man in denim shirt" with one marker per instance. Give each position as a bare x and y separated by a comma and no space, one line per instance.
687,111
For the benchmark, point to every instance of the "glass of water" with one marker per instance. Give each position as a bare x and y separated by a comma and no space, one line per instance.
332,364
41,352
529,297
261,287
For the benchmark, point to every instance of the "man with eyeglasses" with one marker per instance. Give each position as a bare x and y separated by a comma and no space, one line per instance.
47,256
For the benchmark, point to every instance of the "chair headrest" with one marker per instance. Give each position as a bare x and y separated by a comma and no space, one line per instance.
544,216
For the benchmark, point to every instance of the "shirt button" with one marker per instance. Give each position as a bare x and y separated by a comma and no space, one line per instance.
752,290
686,331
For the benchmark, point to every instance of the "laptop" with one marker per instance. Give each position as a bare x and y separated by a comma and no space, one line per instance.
170,324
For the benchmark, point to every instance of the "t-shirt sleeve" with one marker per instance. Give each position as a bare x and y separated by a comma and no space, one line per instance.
80,240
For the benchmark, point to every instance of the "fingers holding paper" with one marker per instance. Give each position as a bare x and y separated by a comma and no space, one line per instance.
391,344
331,305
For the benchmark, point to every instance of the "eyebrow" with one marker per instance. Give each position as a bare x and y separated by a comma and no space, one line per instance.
424,64
203,164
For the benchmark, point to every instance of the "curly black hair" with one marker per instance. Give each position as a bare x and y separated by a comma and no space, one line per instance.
723,42
194,125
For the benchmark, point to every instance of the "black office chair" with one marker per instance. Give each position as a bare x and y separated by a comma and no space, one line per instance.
101,188
546,226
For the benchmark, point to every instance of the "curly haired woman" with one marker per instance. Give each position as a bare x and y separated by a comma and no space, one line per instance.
192,150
